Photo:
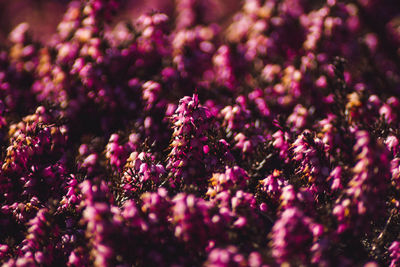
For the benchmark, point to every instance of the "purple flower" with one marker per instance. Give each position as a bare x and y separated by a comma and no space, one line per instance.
394,251
293,235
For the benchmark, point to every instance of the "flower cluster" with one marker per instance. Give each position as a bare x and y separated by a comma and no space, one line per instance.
265,138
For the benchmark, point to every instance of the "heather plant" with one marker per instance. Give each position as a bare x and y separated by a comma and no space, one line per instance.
192,159
265,138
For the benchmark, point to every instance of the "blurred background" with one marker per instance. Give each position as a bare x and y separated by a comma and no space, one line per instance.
44,15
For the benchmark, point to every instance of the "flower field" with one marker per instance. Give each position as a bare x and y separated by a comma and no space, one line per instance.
266,137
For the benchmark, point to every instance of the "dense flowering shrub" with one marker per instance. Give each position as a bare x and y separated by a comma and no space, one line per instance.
268,138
